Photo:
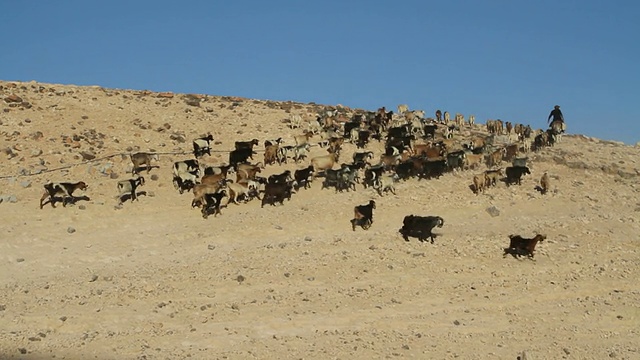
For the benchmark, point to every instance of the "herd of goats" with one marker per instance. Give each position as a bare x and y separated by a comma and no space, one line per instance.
415,146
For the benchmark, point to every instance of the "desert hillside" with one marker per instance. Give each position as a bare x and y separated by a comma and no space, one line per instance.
152,279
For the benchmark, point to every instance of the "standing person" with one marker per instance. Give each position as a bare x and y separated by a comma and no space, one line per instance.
556,114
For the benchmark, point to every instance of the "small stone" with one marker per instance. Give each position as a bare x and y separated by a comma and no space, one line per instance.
71,230
235,307
278,227
566,351
25,184
154,177
456,322
211,247
493,211
93,278
307,238
13,99
3,307
20,260
240,279
63,318
87,155
22,351
82,207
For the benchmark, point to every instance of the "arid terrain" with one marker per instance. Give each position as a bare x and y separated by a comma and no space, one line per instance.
154,280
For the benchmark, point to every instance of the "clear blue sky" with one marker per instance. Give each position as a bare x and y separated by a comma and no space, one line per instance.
509,59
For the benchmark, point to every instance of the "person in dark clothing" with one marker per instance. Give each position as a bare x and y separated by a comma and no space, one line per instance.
556,114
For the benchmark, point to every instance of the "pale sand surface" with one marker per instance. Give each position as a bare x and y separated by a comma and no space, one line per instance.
154,280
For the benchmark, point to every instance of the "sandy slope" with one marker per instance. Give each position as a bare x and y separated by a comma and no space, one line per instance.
153,280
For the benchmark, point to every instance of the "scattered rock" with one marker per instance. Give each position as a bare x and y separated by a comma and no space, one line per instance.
211,247
456,322
9,199
154,177
240,279
307,238
192,100
13,98
93,278
22,351
493,211
71,230
87,155
165,95
19,260
25,184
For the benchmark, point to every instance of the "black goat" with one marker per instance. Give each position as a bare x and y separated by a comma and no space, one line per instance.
515,173
303,177
280,178
240,156
363,215
212,203
420,227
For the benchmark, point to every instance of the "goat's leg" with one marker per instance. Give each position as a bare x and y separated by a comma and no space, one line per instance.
44,196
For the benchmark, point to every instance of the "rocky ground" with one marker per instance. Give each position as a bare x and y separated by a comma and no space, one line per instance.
154,280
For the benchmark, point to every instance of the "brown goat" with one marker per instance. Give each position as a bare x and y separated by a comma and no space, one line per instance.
202,189
495,158
519,246
510,151
212,178
472,161
544,183
478,184
271,154
491,177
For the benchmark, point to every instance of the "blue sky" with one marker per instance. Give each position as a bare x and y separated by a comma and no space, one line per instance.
509,59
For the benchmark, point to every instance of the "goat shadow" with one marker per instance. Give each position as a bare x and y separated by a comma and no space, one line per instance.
126,197
540,189
138,170
422,236
473,189
65,201
516,253
508,183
